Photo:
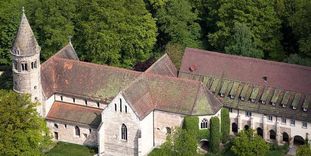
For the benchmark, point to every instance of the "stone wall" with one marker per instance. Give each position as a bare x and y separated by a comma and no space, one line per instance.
163,121
66,133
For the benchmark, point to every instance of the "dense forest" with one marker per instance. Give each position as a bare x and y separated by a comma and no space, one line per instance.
125,32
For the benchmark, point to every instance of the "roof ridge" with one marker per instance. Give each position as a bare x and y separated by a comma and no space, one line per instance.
247,58
99,65
162,57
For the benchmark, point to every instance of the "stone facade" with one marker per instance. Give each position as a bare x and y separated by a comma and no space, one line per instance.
66,133
118,112
271,123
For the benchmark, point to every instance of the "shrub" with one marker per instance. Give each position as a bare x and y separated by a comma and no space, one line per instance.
214,134
225,125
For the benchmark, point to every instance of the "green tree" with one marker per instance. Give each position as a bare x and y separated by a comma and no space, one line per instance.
225,125
177,24
248,143
300,22
22,130
180,143
259,16
9,20
303,150
214,134
53,23
242,42
115,32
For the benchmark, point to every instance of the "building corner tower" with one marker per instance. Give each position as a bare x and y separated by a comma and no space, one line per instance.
26,62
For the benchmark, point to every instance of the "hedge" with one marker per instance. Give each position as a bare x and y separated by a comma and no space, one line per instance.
225,125
214,135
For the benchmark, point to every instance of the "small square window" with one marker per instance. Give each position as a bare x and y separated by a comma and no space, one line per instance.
248,113
284,120
292,122
56,135
65,125
61,98
55,125
304,124
98,104
85,101
230,110
270,118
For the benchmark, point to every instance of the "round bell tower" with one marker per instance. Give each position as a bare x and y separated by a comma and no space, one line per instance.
26,62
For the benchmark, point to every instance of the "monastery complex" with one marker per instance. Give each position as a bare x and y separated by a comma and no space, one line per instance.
126,112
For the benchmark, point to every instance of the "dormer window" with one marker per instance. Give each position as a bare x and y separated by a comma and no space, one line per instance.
221,95
283,106
253,100
294,108
232,96
305,109
242,98
263,102
273,103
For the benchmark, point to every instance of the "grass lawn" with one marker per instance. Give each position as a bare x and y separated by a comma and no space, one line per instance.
67,149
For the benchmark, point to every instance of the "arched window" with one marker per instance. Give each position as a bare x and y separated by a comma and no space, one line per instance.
77,131
123,132
115,107
204,123
125,109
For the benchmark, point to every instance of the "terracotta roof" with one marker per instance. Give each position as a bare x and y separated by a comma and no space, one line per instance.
170,94
77,78
75,114
163,66
239,82
25,41
68,52
279,75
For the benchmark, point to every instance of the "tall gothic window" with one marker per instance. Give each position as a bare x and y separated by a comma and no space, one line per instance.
204,123
77,131
123,132
120,105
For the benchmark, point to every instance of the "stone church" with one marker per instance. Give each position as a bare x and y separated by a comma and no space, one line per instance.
126,112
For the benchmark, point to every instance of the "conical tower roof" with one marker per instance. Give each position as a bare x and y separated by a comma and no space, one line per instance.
25,43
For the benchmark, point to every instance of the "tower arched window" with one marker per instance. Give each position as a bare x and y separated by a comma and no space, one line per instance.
204,123
77,131
123,132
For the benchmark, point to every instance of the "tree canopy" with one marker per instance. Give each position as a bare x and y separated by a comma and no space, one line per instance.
248,143
22,130
124,32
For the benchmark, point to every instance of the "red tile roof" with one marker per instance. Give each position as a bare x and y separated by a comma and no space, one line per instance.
163,66
279,75
82,79
75,114
189,97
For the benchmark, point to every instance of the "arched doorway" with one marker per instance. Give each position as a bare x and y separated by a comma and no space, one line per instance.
246,127
285,137
259,131
234,128
204,144
272,134
298,140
